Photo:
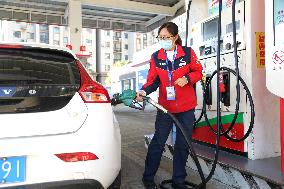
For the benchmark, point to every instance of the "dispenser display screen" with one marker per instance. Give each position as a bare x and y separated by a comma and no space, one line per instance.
210,29
229,27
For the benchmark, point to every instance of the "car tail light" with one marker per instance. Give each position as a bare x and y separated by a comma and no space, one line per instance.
3,46
77,156
91,91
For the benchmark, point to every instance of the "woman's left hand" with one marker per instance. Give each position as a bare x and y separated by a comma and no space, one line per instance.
181,81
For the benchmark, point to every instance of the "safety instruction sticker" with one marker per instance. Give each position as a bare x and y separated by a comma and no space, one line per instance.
260,49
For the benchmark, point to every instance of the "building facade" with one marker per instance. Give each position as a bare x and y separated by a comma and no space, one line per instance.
116,46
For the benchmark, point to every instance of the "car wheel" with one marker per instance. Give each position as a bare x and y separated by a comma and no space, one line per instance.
116,183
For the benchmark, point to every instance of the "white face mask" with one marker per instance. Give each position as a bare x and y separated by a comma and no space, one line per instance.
166,44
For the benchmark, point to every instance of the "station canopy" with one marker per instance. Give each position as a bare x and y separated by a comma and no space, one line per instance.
125,15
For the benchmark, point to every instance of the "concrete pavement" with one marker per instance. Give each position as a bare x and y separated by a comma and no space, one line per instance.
134,125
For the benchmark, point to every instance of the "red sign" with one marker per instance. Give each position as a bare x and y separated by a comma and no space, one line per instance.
260,49
69,47
82,48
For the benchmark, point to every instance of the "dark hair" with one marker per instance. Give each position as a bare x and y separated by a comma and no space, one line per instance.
172,29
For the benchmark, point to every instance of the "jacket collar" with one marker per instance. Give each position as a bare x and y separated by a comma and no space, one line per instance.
162,54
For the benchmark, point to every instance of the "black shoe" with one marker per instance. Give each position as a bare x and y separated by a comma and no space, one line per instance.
149,184
179,186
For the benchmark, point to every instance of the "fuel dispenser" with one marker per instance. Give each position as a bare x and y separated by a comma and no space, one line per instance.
249,23
204,41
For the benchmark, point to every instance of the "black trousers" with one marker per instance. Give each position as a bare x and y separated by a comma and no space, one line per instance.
163,126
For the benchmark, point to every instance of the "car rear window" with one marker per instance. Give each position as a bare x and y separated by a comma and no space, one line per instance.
36,79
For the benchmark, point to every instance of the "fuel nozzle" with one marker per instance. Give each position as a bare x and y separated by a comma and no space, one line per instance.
127,97
115,99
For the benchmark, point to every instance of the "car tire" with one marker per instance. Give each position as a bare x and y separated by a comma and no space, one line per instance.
116,183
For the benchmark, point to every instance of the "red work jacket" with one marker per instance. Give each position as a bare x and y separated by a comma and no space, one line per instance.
185,64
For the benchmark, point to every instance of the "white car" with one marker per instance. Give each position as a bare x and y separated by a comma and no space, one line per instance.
57,126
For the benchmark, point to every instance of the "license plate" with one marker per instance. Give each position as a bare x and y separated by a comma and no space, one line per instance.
12,169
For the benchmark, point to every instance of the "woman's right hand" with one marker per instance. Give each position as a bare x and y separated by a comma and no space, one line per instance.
139,95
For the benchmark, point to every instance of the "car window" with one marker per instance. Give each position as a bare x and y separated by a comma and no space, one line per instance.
36,79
